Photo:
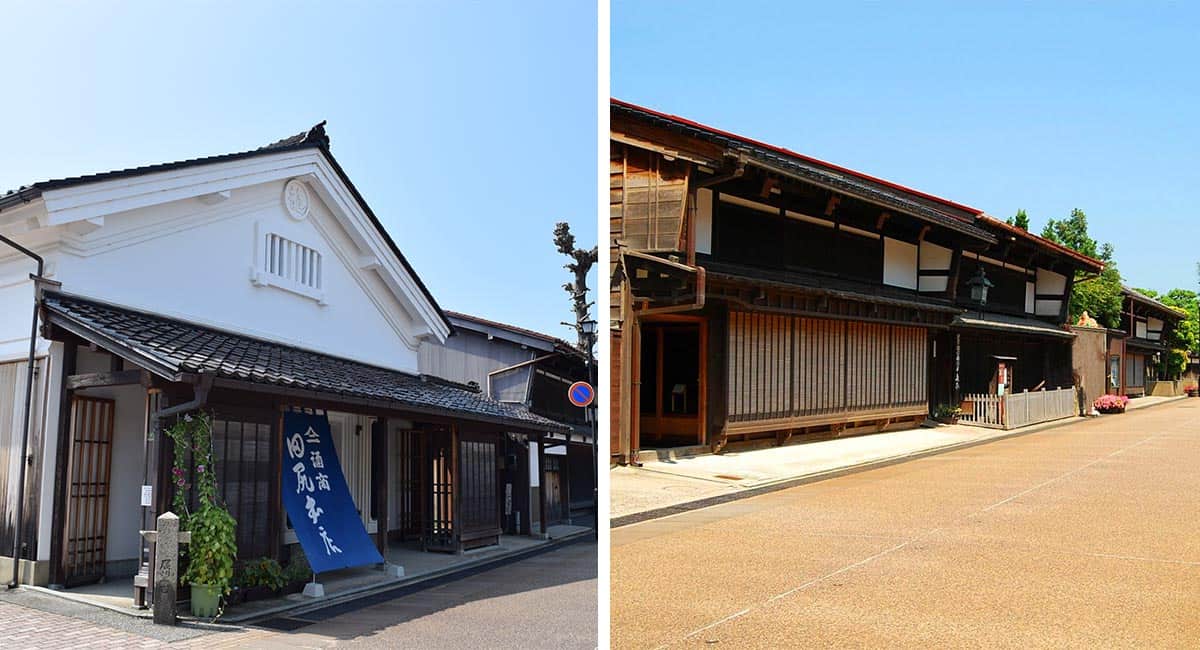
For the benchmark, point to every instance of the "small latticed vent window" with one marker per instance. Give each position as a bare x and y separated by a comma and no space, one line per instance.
296,263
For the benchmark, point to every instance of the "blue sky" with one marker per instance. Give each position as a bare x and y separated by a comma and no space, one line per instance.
470,130
998,105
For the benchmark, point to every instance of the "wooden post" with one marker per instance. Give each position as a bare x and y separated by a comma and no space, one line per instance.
542,482
58,532
380,452
166,539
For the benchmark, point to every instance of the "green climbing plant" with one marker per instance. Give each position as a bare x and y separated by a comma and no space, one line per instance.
213,548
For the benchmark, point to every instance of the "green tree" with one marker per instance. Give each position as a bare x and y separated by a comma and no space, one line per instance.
1186,334
1021,220
1100,296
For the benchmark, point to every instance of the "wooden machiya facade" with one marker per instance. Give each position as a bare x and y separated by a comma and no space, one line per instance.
760,293
430,474
757,292
1137,348
1018,340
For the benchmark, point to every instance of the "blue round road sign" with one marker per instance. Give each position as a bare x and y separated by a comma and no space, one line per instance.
581,393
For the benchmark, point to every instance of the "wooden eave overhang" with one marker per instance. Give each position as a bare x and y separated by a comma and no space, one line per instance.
181,352
1044,246
660,283
822,297
739,149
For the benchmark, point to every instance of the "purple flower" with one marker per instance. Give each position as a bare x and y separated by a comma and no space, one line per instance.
200,469
180,482
177,471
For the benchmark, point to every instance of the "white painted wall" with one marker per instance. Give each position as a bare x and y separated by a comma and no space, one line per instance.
1049,282
899,263
1154,325
194,261
934,258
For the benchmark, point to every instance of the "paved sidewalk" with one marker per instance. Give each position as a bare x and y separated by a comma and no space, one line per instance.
661,487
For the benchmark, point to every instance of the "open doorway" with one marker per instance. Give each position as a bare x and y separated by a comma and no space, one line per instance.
671,395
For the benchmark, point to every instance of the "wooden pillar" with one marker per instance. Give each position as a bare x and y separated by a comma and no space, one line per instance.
380,453
542,481
564,477
59,508
275,516
455,490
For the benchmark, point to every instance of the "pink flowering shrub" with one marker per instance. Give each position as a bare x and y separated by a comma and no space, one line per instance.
1110,403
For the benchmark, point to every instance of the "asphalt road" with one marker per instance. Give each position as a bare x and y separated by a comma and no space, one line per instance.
1085,536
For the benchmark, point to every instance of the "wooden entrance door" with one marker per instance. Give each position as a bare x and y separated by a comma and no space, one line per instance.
479,503
671,399
552,478
88,469
410,461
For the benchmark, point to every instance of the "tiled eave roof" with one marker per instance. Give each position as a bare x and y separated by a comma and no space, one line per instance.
1090,264
173,348
933,209
1167,310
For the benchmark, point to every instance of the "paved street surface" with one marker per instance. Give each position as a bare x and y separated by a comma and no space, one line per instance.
546,601
1087,535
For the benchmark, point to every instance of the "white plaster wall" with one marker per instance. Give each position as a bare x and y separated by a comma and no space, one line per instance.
125,478
934,258
1155,325
16,307
899,263
193,261
1049,282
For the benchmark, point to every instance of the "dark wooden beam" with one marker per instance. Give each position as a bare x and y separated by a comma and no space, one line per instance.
58,526
117,378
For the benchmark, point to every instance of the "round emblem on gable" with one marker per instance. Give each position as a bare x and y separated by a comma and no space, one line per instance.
295,199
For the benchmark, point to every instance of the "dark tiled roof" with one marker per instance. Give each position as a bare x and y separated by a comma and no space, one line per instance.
553,340
173,347
314,138
930,208
1006,323
1134,294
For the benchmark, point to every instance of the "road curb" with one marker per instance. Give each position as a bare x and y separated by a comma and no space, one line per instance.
785,483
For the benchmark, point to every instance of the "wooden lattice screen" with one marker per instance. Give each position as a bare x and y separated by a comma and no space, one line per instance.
479,504
90,464
790,371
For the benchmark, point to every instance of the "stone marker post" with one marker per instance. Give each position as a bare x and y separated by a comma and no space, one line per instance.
166,540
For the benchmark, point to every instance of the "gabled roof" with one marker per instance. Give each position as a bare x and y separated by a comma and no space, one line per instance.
172,348
510,332
949,214
1138,296
314,138
1089,263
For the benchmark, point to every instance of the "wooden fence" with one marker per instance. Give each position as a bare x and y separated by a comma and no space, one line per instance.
1019,409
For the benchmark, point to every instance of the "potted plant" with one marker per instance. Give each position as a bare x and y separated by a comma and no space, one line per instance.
947,414
213,547
1111,403
259,579
210,558
297,573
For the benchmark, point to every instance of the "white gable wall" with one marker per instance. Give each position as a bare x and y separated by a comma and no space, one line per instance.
192,260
